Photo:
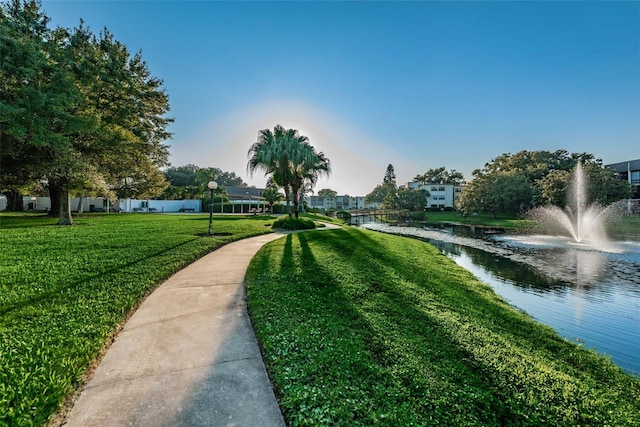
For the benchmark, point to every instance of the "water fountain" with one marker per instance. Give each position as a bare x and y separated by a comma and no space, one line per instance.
582,223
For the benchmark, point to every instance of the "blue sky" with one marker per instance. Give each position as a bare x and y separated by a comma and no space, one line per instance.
416,84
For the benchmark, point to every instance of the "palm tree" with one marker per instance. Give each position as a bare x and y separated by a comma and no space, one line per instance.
289,160
271,195
307,167
270,153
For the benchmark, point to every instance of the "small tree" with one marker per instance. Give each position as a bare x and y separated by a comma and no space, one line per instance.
387,192
389,176
497,192
413,200
272,195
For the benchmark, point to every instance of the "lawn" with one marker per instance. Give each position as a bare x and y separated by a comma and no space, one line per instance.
65,290
363,328
502,220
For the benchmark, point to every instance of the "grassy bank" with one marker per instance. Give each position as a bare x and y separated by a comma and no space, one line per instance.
626,228
64,290
617,228
502,221
360,328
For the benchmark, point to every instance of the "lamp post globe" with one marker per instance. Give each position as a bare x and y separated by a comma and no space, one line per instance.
212,185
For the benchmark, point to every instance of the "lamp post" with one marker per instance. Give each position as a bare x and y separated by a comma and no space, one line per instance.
212,185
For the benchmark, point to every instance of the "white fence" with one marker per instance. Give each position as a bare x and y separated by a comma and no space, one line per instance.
101,204
135,205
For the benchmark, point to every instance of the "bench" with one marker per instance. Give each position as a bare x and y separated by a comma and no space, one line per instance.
187,210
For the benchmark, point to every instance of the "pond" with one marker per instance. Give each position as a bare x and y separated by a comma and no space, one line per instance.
589,297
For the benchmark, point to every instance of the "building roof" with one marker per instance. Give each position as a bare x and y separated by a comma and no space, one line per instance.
244,192
633,165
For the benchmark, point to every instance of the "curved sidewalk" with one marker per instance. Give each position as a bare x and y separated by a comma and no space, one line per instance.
188,356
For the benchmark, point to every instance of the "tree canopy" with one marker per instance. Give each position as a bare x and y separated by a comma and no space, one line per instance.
502,191
328,193
77,111
386,193
518,182
440,176
190,181
272,195
413,200
289,160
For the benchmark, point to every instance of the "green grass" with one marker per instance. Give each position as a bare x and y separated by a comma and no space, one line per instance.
625,228
502,221
64,290
362,328
322,218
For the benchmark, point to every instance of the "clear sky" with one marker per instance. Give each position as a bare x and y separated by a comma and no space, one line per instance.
416,84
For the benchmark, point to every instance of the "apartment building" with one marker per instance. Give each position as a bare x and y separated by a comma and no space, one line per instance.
338,203
629,171
440,195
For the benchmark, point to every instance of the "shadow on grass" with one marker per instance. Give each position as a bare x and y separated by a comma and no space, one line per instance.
403,337
57,293
429,338
204,216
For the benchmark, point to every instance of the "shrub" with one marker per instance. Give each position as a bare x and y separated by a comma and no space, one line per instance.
287,223
418,215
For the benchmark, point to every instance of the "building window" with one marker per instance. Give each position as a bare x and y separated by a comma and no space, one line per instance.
434,188
441,189
635,177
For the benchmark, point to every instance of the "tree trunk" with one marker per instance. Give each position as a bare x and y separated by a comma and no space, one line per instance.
287,197
80,206
301,203
54,196
14,200
296,206
295,196
64,218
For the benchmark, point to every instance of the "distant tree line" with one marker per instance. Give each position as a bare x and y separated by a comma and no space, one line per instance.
190,181
78,113
510,183
390,196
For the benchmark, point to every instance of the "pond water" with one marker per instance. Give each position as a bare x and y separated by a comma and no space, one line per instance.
590,297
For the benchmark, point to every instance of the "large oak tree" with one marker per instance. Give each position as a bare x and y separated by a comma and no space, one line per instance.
79,111
517,182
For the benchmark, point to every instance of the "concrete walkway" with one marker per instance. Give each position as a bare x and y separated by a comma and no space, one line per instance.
188,356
